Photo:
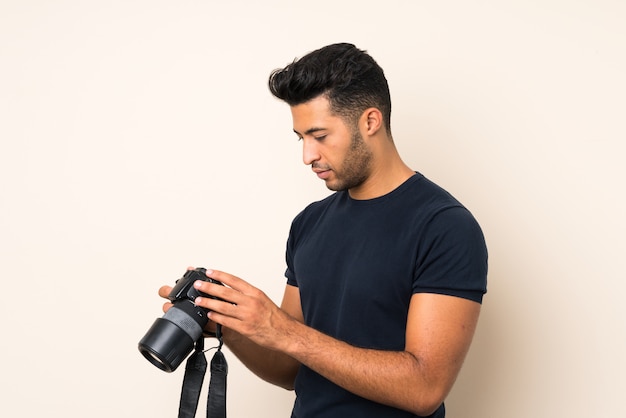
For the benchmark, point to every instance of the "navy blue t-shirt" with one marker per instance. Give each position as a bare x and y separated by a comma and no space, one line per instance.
358,262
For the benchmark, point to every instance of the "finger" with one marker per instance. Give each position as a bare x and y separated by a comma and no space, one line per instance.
224,320
221,292
167,306
164,291
215,305
231,281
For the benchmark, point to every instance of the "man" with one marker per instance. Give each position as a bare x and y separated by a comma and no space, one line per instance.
385,277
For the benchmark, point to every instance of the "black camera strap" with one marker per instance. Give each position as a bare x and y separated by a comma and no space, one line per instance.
195,370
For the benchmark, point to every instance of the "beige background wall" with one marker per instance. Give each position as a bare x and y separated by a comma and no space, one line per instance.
138,137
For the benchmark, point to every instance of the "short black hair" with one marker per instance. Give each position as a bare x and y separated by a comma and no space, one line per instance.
349,77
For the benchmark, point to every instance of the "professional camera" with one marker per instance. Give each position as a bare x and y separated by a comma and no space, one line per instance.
172,337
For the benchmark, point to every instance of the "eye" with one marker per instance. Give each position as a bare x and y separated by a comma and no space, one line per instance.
320,138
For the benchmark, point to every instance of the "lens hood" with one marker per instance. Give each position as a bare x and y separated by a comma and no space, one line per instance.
166,345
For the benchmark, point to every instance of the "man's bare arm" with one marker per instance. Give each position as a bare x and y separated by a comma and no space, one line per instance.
439,332
270,365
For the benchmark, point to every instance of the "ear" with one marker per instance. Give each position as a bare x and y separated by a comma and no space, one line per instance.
372,121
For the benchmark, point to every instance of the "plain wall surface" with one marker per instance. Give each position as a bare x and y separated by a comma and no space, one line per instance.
138,138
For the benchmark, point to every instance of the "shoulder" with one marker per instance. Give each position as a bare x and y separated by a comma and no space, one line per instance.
446,221
430,195
452,254
442,210
314,210
421,201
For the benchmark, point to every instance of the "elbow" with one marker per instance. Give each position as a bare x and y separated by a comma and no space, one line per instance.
285,381
290,387
425,395
428,401
284,385
287,384
426,409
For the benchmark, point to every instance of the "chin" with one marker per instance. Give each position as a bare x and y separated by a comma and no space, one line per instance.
334,188
337,187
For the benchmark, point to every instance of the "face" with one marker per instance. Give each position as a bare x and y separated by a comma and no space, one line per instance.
336,153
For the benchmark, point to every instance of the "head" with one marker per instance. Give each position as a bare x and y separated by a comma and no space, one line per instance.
330,90
348,77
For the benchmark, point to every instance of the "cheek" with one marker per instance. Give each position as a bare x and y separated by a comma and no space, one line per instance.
337,155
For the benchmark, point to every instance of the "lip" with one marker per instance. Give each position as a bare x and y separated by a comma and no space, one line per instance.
323,174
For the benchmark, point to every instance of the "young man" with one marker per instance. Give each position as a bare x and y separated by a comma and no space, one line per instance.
385,277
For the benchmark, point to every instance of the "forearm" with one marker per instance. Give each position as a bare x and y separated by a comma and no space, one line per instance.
439,331
394,378
272,366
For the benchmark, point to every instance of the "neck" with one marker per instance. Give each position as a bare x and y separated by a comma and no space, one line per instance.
388,173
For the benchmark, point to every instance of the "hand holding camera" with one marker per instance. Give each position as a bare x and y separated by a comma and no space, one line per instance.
172,337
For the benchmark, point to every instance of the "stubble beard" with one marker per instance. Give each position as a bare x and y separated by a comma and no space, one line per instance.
356,166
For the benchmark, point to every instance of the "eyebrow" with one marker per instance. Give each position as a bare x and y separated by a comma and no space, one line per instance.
310,131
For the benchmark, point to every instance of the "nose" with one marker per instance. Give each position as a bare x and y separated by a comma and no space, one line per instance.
310,152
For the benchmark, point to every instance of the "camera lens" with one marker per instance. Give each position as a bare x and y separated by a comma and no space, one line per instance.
154,359
171,338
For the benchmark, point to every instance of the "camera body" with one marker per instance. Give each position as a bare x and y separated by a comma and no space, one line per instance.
172,337
184,286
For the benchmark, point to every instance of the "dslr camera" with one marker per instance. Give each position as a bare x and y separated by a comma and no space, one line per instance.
172,337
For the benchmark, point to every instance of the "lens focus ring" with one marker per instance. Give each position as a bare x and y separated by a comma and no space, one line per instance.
186,322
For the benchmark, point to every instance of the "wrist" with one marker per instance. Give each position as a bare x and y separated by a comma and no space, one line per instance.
229,336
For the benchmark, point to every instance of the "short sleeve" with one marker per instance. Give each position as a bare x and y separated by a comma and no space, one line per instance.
289,253
452,256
